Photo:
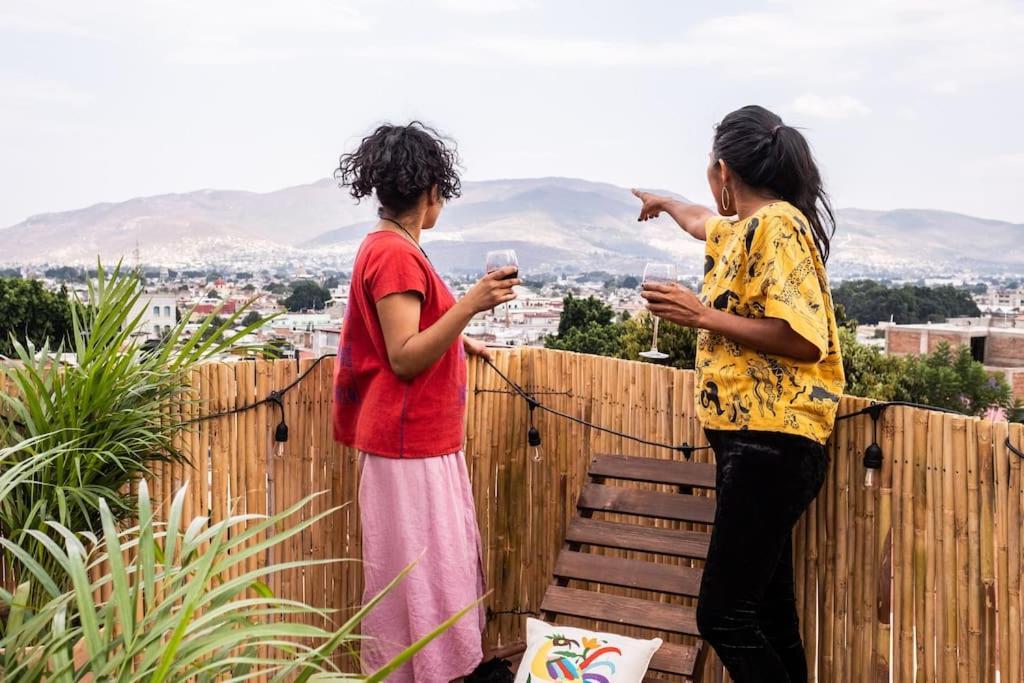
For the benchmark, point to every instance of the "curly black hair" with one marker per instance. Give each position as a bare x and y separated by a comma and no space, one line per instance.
399,164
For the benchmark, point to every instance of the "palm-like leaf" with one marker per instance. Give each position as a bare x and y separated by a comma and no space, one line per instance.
113,402
183,618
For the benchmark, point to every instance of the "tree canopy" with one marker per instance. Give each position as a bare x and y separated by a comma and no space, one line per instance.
306,295
29,312
870,302
589,326
946,378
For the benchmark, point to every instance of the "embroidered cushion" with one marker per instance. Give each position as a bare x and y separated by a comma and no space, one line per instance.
562,653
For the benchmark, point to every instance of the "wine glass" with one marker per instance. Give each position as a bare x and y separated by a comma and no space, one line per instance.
498,259
660,273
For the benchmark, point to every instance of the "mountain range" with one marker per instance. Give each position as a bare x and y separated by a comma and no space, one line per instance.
553,223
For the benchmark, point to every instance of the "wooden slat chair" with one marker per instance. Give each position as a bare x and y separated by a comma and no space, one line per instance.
576,564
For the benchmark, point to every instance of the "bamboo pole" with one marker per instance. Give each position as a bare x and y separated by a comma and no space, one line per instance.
933,527
949,592
874,562
810,586
1014,569
905,586
987,542
891,439
235,455
318,483
304,408
900,529
245,434
919,426
961,571
859,664
972,589
263,453
827,648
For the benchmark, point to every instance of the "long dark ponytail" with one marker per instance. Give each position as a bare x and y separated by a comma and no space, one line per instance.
769,155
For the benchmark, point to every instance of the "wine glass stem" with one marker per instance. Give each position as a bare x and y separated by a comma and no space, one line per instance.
654,337
508,317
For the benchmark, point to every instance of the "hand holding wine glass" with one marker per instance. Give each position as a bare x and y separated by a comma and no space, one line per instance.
657,273
500,258
492,290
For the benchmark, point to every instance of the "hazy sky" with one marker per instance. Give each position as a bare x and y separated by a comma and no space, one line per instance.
914,103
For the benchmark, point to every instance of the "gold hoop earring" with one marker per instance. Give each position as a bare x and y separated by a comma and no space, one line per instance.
726,199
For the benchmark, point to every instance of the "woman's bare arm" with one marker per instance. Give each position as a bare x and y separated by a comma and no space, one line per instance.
411,351
768,335
689,217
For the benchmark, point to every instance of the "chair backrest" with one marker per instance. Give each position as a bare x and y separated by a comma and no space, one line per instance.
579,563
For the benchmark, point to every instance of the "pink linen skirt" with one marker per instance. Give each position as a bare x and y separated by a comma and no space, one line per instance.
422,510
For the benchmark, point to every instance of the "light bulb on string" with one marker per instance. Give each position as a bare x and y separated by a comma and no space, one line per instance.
533,438
533,435
873,453
281,431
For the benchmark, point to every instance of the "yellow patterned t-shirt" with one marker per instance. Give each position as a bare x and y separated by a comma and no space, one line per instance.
768,266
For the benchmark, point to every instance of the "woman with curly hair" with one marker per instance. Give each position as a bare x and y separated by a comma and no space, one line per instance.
400,397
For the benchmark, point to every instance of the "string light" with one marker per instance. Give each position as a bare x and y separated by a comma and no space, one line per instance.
873,453
533,434
281,431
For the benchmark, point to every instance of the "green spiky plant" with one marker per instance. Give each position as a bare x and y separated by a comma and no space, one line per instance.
175,613
112,402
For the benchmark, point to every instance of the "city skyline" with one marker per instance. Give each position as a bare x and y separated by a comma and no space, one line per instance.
104,101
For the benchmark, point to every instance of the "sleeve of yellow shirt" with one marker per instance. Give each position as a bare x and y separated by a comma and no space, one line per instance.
714,232
788,280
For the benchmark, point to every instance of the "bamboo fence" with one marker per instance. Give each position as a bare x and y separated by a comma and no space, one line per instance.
915,579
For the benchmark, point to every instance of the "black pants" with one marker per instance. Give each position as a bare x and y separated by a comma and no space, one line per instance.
747,608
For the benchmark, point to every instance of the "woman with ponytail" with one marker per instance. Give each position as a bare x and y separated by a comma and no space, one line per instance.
769,378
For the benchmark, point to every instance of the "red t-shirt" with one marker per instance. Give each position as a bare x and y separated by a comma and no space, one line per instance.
374,410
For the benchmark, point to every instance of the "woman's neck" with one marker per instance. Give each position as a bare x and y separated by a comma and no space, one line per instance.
408,225
747,204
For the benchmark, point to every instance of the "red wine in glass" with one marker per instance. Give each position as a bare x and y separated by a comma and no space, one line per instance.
498,259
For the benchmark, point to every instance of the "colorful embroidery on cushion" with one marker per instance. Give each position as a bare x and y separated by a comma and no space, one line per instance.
589,660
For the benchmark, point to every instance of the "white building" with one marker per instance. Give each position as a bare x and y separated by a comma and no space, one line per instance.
157,314
300,322
325,340
1000,300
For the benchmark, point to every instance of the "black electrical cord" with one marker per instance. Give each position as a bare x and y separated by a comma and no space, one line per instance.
686,449
273,397
1013,449
873,455
281,431
893,404
276,397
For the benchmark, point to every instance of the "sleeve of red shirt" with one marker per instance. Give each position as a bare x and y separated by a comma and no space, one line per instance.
393,268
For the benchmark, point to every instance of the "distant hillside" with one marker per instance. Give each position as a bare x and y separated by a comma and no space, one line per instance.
554,223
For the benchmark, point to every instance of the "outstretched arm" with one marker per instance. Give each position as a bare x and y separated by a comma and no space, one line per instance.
689,217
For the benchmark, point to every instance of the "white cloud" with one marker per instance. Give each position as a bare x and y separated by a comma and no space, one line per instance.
1010,164
825,107
18,89
947,87
917,43
485,6
193,31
